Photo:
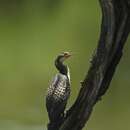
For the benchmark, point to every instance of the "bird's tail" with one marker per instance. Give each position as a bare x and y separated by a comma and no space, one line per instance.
53,126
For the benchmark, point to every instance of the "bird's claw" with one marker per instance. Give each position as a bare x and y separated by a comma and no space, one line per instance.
81,82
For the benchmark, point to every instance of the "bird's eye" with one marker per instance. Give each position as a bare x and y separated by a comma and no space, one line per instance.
66,53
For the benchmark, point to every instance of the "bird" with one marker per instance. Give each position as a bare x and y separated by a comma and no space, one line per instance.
58,92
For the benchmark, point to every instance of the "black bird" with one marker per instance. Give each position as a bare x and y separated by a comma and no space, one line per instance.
58,92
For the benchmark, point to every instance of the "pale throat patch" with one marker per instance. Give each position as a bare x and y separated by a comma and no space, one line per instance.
68,74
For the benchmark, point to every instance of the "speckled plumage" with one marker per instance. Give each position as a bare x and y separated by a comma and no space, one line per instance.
59,88
57,96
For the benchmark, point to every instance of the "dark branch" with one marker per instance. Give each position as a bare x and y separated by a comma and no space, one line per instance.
115,28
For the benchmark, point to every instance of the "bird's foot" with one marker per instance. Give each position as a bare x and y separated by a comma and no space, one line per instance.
82,82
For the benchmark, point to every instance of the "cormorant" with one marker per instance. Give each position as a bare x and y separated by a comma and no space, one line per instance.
58,92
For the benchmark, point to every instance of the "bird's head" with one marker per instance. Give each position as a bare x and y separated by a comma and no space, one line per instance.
59,62
63,56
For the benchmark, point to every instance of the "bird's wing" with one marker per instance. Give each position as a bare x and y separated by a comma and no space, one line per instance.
61,89
58,92
58,87
52,86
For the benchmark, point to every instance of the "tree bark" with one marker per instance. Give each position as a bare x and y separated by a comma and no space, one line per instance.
115,28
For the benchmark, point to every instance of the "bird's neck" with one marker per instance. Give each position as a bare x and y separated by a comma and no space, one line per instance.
63,69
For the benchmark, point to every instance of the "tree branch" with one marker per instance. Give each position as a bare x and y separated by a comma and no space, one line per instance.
115,28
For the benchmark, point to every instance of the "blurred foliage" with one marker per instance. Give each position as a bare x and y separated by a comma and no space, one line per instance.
32,34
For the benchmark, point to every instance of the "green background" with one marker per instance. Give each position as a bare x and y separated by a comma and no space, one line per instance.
32,33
